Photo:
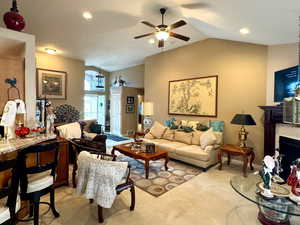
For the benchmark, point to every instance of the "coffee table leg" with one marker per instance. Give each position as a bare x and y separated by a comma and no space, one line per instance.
228,158
220,159
166,162
147,169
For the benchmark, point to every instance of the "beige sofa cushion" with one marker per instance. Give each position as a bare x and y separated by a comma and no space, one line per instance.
149,136
169,134
171,146
196,137
183,137
207,138
157,130
193,151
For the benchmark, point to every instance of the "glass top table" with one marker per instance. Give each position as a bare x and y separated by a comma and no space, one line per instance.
277,209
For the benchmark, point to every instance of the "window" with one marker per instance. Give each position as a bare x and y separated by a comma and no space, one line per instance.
94,98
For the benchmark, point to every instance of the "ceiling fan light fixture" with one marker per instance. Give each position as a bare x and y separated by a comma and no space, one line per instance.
162,35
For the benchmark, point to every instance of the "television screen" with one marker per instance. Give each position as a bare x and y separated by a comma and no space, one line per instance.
285,83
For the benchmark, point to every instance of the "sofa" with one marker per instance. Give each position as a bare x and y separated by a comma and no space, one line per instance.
199,148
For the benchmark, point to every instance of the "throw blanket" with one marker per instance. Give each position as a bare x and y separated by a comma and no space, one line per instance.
98,179
70,130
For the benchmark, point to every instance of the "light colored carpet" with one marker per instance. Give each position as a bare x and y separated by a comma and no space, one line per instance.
207,199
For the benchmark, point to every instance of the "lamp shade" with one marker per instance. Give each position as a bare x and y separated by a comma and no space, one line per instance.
243,119
148,108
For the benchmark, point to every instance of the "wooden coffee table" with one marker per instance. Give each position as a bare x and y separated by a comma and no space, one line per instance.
147,157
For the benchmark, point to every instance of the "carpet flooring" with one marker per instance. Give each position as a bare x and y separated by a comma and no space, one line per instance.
115,138
160,181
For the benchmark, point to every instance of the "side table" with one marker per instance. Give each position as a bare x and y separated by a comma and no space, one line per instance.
232,150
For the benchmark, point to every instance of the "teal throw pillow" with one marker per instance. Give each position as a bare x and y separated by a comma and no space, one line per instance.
217,125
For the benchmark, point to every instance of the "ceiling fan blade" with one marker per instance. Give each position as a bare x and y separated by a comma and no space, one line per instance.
179,36
144,35
149,24
180,23
161,43
197,5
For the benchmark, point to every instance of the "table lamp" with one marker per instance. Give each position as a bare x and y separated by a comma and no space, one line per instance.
243,119
147,112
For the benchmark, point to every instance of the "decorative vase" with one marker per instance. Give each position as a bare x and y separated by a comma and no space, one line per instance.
22,131
13,20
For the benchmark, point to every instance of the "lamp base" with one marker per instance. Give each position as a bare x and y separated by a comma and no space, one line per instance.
243,137
147,122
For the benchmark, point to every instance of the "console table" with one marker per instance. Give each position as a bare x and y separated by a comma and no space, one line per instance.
272,116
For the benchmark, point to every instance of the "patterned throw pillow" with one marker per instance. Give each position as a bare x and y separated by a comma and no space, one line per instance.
217,125
207,138
202,127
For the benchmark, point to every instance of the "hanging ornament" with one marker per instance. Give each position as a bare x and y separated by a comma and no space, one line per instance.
100,78
12,19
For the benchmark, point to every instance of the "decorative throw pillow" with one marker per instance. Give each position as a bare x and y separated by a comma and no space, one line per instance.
70,130
207,138
148,136
217,125
202,127
171,123
193,124
157,130
184,123
169,134
219,136
183,137
186,129
196,137
96,128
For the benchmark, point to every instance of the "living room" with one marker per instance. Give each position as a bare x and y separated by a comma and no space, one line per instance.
170,90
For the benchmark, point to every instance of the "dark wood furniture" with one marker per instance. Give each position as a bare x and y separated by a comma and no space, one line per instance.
81,144
147,157
42,184
62,171
232,150
272,116
10,192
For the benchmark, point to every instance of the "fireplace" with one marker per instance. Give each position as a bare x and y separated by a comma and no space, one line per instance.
290,148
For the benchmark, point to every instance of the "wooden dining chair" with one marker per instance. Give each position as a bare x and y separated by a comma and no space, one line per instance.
38,180
10,201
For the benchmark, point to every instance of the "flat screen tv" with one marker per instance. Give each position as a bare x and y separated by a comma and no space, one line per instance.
285,83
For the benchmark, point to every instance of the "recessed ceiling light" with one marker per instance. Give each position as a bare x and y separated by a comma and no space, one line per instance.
87,15
151,41
244,30
50,51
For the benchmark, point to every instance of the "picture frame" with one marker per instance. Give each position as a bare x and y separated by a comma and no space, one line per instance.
51,84
194,96
130,100
130,108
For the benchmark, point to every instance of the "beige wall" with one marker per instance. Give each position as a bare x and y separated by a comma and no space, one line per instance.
279,57
75,77
241,67
134,76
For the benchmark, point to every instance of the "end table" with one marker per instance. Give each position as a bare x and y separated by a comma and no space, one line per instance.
231,150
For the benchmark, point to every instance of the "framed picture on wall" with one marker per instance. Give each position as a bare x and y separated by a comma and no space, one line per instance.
130,100
194,97
130,108
51,84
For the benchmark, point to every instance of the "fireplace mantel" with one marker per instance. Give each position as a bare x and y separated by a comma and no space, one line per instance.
272,116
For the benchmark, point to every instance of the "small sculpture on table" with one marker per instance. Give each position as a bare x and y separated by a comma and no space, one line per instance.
277,169
266,175
50,118
294,181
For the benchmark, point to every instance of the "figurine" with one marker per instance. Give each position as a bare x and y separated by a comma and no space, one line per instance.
266,175
277,169
294,179
50,118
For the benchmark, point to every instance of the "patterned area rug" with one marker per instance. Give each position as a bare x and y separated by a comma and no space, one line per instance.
160,181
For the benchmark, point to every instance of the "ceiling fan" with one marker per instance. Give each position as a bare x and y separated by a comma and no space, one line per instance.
163,32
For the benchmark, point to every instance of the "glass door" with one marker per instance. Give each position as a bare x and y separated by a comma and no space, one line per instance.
94,108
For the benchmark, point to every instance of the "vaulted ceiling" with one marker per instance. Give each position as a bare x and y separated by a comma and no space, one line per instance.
107,41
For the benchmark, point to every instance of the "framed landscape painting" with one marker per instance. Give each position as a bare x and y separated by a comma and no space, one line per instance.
194,97
51,84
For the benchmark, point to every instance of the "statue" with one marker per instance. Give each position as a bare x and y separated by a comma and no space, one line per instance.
277,169
294,180
50,118
266,175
